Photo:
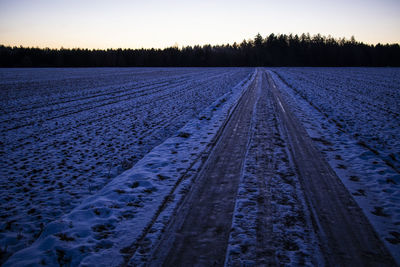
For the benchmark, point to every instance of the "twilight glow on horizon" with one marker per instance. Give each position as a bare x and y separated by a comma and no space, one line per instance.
159,24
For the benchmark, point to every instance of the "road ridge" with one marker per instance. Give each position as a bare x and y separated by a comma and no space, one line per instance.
346,236
324,214
200,233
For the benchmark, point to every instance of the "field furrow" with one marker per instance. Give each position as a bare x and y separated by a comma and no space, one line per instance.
64,139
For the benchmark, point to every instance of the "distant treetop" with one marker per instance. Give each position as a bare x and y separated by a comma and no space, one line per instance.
273,50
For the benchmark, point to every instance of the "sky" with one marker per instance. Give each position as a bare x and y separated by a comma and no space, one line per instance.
155,23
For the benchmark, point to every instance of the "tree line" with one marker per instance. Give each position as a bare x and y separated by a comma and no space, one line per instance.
273,50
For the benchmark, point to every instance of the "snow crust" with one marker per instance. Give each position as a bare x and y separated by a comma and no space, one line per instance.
102,229
271,224
65,133
79,215
348,112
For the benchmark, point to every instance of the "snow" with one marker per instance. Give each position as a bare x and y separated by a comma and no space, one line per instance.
66,133
101,229
93,158
270,205
348,112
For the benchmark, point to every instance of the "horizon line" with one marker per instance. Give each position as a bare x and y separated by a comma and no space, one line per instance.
176,45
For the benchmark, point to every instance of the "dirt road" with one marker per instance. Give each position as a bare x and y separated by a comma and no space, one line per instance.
200,232
200,235
345,234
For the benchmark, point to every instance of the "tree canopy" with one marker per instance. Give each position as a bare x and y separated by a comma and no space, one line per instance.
273,50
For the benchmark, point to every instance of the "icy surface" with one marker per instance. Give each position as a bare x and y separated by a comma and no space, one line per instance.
65,133
350,114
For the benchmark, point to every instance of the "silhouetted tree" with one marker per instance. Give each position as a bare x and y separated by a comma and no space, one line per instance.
273,50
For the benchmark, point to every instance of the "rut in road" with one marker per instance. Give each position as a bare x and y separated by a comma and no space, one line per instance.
271,225
345,234
201,231
266,196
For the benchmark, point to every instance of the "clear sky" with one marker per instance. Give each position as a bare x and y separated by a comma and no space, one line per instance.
159,24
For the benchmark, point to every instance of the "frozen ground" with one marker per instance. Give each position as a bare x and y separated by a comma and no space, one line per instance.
271,225
363,102
165,123
65,133
350,113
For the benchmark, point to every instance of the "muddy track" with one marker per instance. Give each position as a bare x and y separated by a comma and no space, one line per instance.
345,234
264,167
271,225
201,233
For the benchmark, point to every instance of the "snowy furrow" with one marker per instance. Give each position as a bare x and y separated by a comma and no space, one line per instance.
101,229
61,84
374,185
363,102
47,169
131,92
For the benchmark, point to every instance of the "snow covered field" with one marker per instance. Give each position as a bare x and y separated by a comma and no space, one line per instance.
363,102
92,157
65,133
352,114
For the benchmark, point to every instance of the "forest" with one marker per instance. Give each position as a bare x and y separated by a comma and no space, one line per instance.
273,50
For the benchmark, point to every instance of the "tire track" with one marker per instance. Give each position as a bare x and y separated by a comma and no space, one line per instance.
199,233
345,234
